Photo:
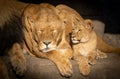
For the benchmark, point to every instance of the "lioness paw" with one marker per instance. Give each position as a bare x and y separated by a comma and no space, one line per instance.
65,68
19,64
17,59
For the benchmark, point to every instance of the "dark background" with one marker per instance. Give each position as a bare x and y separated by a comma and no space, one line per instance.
106,11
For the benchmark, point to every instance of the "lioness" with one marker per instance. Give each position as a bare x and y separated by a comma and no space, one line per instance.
11,36
45,36
87,45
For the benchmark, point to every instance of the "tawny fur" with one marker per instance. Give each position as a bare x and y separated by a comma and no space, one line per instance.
86,44
45,36
10,25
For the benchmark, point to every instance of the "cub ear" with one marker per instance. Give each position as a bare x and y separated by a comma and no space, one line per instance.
89,24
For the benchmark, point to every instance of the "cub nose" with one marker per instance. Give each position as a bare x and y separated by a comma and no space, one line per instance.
46,42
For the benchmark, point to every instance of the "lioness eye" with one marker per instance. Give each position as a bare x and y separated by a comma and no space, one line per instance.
40,31
54,31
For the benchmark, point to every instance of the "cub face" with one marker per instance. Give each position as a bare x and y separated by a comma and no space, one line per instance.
81,28
81,31
46,26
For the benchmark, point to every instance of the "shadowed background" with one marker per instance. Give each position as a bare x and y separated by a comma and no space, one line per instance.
103,10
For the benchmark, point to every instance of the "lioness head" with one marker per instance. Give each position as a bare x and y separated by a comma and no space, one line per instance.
42,20
81,31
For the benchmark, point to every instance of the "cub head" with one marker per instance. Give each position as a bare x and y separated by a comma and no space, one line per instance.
81,31
44,24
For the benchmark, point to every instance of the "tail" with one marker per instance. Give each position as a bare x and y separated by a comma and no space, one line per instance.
101,45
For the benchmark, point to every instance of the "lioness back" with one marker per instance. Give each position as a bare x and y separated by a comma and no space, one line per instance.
11,35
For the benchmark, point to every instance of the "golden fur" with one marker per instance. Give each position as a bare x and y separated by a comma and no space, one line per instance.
10,11
45,36
86,44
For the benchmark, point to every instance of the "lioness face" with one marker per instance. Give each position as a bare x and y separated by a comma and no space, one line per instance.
48,34
46,25
81,31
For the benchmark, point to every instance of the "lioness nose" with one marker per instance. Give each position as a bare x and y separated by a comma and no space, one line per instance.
46,42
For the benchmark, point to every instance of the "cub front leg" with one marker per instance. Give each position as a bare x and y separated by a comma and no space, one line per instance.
61,61
17,59
91,57
83,64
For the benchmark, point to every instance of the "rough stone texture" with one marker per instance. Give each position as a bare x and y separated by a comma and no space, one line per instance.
99,27
45,69
108,68
112,39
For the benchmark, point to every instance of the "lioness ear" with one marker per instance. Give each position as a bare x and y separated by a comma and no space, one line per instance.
30,21
89,24
27,19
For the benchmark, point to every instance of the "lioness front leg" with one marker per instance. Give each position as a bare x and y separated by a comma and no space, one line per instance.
17,58
62,62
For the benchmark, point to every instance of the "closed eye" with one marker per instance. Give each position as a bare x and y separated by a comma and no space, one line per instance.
54,31
39,31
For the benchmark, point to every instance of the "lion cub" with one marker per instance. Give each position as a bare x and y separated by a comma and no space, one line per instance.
84,42
87,46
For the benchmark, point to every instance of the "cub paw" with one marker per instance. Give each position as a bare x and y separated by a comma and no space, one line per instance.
17,59
65,68
91,61
84,66
84,69
101,55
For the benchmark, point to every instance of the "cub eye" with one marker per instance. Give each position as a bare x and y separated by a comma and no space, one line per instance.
73,29
79,30
64,22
